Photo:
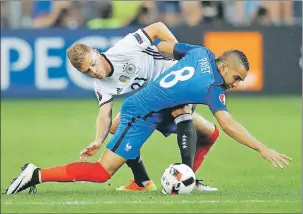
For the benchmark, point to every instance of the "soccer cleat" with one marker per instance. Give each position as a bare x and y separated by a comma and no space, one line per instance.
132,186
28,177
202,187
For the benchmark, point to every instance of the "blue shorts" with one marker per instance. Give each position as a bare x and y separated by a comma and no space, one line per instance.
166,124
133,131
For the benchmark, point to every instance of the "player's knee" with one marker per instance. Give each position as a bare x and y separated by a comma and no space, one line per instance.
176,112
203,139
110,171
186,109
203,127
111,162
215,135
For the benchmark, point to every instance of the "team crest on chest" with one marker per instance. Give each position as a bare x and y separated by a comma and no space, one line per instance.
129,68
124,79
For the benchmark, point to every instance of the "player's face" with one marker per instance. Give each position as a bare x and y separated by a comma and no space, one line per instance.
233,73
232,78
92,65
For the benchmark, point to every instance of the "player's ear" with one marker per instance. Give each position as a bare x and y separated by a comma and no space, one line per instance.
224,67
96,52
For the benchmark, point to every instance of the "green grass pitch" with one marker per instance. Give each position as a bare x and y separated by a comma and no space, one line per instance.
52,132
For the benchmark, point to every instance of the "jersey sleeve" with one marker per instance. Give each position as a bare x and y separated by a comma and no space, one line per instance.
130,45
138,40
215,99
181,49
102,96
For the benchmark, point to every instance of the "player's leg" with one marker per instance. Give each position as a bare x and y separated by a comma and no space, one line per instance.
186,137
100,172
207,133
141,181
186,133
125,144
136,138
206,136
199,144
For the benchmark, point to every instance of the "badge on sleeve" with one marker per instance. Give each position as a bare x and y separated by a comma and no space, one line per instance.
138,37
222,99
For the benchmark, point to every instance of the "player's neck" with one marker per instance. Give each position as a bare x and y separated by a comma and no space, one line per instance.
107,66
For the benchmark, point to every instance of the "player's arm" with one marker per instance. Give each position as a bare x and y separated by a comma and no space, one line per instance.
215,99
240,134
161,31
177,50
143,38
103,122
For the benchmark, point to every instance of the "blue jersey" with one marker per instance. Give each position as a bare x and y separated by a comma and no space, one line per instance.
194,79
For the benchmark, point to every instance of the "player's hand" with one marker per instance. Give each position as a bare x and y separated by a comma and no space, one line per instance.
90,150
274,157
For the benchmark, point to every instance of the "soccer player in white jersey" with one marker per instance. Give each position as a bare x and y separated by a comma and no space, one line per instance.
124,68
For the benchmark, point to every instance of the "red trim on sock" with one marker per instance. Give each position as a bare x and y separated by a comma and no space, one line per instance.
77,171
204,148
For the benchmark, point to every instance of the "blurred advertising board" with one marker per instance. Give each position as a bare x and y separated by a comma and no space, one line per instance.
34,62
248,42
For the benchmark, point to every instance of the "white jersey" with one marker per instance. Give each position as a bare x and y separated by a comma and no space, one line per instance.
134,62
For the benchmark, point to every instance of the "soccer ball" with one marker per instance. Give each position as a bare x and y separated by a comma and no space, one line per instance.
178,178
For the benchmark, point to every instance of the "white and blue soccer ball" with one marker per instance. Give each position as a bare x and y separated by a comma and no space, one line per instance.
178,178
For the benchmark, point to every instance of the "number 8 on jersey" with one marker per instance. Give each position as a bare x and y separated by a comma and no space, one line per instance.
172,78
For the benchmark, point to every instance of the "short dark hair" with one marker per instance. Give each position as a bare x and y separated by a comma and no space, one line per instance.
242,57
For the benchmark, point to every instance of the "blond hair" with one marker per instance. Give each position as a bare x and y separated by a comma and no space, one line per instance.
76,54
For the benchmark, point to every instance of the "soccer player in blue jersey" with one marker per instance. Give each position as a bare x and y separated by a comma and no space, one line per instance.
197,78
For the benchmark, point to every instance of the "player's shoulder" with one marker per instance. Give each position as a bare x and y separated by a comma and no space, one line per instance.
203,50
130,44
